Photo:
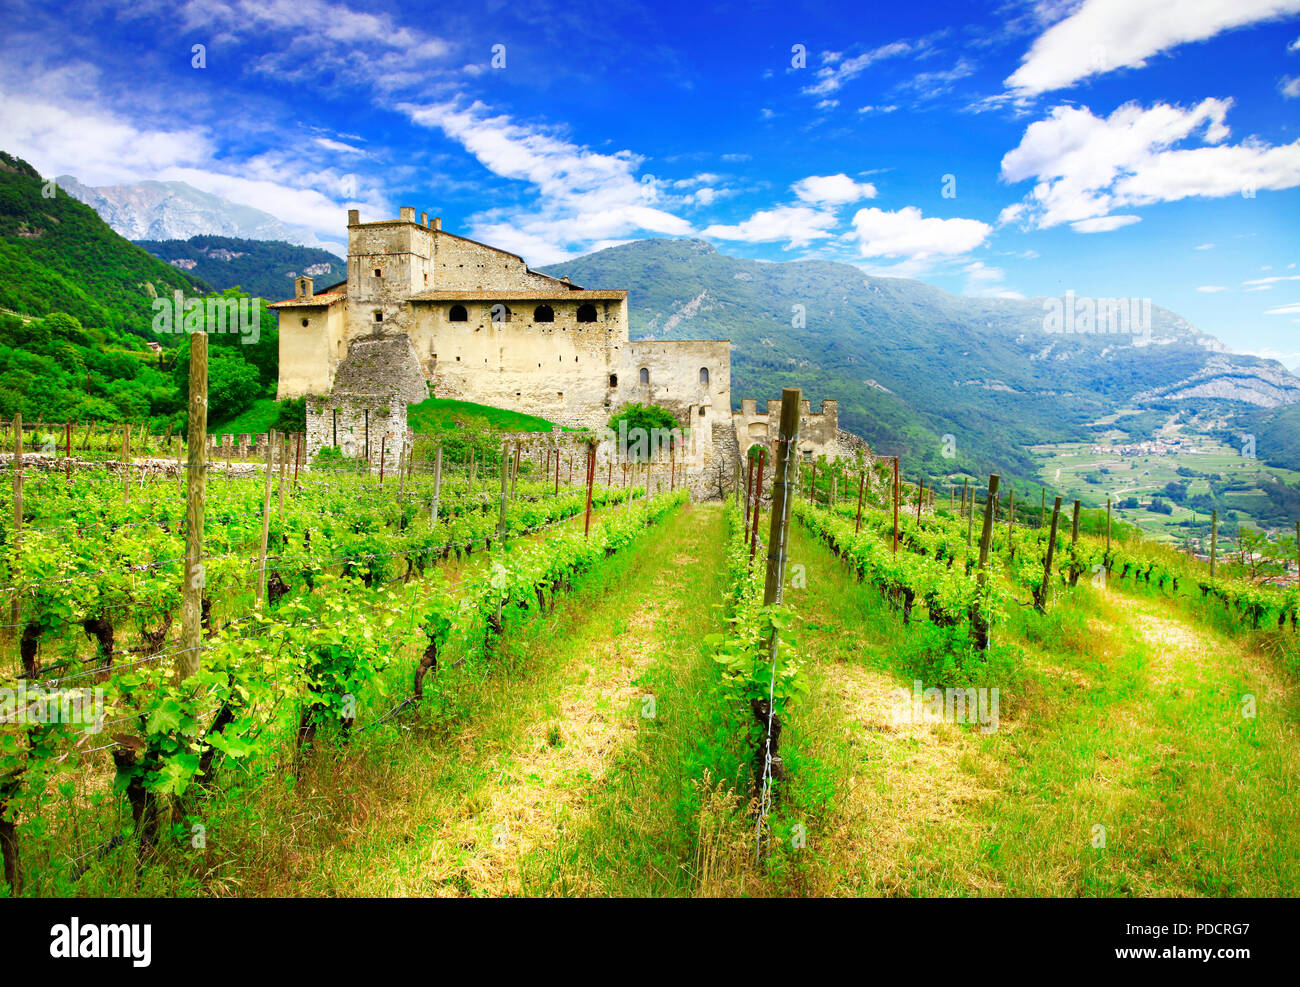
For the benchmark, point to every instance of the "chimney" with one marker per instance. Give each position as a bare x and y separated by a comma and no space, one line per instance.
304,286
437,222
424,220
408,214
565,279
354,217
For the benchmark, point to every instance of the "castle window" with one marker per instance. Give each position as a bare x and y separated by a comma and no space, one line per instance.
379,272
458,314
587,313
379,316
543,313
701,412
645,375
704,376
613,380
304,323
501,312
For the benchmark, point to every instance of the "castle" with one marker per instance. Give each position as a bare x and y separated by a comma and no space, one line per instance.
425,312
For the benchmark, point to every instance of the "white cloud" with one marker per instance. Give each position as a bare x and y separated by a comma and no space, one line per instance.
1102,35
798,226
1294,45
1205,246
878,109
1289,86
832,76
905,233
584,195
985,281
1273,280
828,104
832,190
1086,167
1104,224
1211,289
1293,309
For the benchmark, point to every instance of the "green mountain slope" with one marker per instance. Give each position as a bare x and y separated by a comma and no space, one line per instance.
262,268
910,363
57,255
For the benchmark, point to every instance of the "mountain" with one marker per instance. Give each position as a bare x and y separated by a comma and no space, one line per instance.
910,363
57,255
177,211
263,268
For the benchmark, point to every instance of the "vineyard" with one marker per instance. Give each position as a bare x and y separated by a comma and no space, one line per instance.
481,673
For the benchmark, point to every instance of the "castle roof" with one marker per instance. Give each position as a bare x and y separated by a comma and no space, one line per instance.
324,297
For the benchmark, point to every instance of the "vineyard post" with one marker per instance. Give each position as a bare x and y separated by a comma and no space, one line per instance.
16,608
857,525
812,483
505,486
470,492
1044,506
557,471
570,481
126,464
609,473
514,476
437,487
85,442
1041,602
266,517
591,479
749,492
627,489
1011,514
284,441
920,494
780,523
963,496
835,484
672,464
367,419
67,431
895,542
383,449
758,501
299,449
1074,547
986,537
970,516
1214,542
1108,526
192,588
401,468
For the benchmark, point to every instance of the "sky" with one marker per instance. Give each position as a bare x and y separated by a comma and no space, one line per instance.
1115,148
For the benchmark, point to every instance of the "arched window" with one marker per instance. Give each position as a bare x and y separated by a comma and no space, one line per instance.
704,376
458,314
645,375
613,380
501,312
543,313
587,312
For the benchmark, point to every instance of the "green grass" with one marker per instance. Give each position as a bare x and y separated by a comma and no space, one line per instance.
257,417
444,414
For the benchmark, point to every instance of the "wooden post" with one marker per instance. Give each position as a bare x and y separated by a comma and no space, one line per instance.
609,474
284,441
470,492
591,479
16,607
857,526
1040,603
812,483
505,485
299,448
437,487
895,542
749,492
920,495
514,476
401,467
383,448
758,502
557,471
970,516
266,517
126,464
1074,547
367,419
67,428
1011,514
192,588
1043,524
1108,527
964,483
781,484
1214,542
336,428
980,621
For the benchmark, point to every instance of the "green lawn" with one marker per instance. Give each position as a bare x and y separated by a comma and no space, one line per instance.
257,417
442,414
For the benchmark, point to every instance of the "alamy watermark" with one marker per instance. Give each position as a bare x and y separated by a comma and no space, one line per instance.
29,704
213,315
1102,316
949,705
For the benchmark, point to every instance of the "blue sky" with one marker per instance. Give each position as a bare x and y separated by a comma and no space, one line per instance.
1111,147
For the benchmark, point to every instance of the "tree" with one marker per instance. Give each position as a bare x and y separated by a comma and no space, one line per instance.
642,427
233,382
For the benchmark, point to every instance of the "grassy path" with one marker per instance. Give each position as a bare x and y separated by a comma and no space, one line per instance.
1130,717
471,804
